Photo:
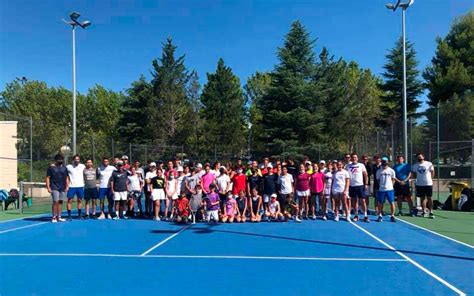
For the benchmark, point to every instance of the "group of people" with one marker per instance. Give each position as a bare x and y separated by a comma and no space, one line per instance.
235,192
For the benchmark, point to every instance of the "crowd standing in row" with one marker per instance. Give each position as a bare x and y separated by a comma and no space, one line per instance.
234,192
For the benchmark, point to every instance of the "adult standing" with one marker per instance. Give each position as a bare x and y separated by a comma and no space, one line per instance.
57,184
286,183
104,172
358,186
90,187
386,178
375,167
76,185
402,187
424,173
119,188
148,191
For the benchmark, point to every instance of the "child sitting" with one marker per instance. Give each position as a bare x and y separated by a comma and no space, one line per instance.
274,211
182,208
291,209
230,209
196,204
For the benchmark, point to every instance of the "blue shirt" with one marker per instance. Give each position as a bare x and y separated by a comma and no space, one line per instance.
57,177
402,170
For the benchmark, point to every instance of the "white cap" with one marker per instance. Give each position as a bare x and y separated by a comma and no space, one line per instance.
274,195
270,166
199,165
179,169
322,162
125,157
153,164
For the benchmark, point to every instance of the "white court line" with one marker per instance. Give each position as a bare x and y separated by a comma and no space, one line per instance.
23,227
439,279
436,233
165,240
202,257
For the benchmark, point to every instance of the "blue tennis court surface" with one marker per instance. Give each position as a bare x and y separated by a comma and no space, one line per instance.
136,257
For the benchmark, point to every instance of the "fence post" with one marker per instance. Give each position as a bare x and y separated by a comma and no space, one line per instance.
130,149
20,198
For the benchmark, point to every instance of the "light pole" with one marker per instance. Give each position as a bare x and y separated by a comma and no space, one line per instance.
404,7
73,23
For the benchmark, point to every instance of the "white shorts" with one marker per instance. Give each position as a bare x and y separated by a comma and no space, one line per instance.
212,214
302,193
174,196
120,195
158,194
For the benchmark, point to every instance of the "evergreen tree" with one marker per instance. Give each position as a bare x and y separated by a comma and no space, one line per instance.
134,117
392,85
169,108
223,111
450,80
292,118
195,122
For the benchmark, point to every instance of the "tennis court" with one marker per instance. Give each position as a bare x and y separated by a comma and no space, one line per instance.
141,256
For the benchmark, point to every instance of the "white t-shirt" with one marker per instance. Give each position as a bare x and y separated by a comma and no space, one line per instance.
134,182
339,181
149,175
140,172
423,173
285,181
356,172
104,174
273,206
385,177
222,182
180,187
76,175
328,182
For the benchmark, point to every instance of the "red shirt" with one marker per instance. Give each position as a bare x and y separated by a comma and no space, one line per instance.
183,206
302,182
240,183
316,184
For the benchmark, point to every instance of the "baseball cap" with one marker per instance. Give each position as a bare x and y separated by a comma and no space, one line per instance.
199,166
153,164
119,162
179,169
125,157
270,166
273,195
322,162
385,159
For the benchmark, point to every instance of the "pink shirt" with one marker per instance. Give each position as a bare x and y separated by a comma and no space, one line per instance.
316,184
302,182
207,179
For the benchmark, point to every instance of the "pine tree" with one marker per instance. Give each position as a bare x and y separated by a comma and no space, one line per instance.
292,117
169,109
223,111
450,81
392,85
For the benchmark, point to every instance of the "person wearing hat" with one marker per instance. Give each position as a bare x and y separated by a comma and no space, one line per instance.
126,163
274,211
424,173
358,187
119,187
104,172
386,178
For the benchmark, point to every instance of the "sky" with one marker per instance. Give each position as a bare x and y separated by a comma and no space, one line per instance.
126,36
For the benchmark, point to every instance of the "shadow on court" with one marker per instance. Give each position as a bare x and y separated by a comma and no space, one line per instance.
209,229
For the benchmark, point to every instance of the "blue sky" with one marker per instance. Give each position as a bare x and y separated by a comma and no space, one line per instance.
127,35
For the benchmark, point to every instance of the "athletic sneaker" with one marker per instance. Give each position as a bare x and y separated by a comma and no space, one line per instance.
109,216
355,219
116,218
366,219
101,217
432,216
313,217
86,216
325,218
379,219
348,219
125,217
392,219
61,219
426,215
156,219
297,219
336,218
54,220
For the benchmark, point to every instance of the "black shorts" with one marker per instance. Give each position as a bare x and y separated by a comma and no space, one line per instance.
357,191
402,190
424,191
91,193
